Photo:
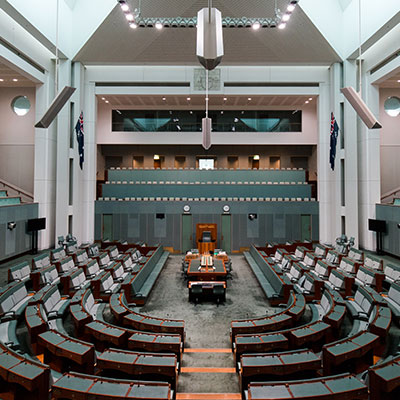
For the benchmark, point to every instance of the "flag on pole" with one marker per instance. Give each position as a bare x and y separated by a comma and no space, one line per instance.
80,138
334,135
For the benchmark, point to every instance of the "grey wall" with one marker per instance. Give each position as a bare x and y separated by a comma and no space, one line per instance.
391,240
17,241
136,220
221,153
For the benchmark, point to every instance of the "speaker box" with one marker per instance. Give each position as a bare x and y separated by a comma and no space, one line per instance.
55,107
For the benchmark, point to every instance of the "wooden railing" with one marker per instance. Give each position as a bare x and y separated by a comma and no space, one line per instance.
388,196
26,196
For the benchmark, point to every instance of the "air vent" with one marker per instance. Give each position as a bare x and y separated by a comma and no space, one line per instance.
271,84
143,84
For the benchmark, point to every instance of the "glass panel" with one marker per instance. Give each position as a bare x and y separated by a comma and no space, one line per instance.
190,121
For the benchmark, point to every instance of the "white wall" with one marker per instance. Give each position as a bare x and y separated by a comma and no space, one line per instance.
390,144
17,139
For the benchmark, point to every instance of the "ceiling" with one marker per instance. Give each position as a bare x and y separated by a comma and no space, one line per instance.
114,42
198,101
8,74
393,82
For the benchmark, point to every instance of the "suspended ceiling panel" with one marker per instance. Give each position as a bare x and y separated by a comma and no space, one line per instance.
126,101
7,75
115,42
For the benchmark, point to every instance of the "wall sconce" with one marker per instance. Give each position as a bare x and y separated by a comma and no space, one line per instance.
11,225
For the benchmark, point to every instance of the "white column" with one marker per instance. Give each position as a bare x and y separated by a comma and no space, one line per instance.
324,177
90,165
45,163
62,172
78,175
351,155
369,166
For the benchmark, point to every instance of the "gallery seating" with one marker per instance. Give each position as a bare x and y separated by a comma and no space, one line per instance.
310,286
322,269
65,265
340,281
41,261
13,301
103,286
73,281
373,262
310,259
86,387
343,387
370,277
393,300
57,254
355,254
19,272
349,266
81,257
117,271
392,273
44,276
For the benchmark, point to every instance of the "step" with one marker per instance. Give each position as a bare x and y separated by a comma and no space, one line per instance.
208,396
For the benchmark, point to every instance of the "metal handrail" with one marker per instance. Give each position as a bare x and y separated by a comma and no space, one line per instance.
391,193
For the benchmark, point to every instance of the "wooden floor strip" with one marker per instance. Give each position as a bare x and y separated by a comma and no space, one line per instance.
208,396
227,350
208,370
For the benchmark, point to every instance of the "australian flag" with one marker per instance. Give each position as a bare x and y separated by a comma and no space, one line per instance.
80,138
334,136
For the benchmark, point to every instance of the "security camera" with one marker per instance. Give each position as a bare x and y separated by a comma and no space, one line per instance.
361,108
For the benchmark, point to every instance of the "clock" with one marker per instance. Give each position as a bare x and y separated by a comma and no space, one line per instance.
226,208
186,208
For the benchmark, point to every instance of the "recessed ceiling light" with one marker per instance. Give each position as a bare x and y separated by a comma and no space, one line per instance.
249,99
1,80
310,98
222,112
398,80
188,98
129,17
307,101
286,17
256,26
133,25
124,7
15,80
291,7
103,98
191,112
225,98
282,25
164,99
159,25
107,101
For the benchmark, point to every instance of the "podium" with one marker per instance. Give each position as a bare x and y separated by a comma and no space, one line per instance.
206,238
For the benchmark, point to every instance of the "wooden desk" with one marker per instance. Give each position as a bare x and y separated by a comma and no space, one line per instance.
384,378
58,348
355,348
216,272
206,247
207,289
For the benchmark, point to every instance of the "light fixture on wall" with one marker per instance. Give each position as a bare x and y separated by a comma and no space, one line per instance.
11,225
156,157
256,157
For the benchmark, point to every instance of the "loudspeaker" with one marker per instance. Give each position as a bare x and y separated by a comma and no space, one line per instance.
210,43
361,108
206,129
55,107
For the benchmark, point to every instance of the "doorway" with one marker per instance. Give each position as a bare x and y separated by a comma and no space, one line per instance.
226,233
107,231
186,233
305,227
